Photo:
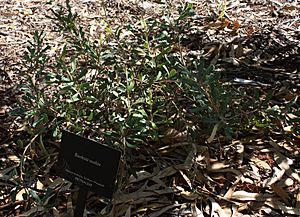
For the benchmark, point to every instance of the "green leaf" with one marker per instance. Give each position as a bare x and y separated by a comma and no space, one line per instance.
34,196
143,23
130,145
91,99
139,101
187,11
130,86
91,116
269,96
49,193
74,98
153,125
55,131
140,52
159,76
172,74
143,112
42,119
82,73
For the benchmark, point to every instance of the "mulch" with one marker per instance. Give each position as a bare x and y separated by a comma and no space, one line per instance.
252,45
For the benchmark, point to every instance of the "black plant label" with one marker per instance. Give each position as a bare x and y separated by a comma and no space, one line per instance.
88,164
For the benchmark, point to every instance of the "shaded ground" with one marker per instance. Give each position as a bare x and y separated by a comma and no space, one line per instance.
252,45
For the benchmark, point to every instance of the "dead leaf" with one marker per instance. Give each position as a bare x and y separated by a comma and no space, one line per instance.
260,164
236,25
166,172
159,181
232,188
121,198
118,210
172,135
187,194
167,190
3,110
39,185
281,206
288,129
244,196
188,181
235,212
202,155
199,176
27,12
70,210
189,161
67,186
163,210
19,196
152,206
298,201
271,212
211,50
55,212
250,30
255,171
217,166
282,161
235,62
128,212
5,171
58,181
291,8
14,158
291,116
277,175
32,211
281,193
232,51
141,175
216,209
286,182
228,211
284,164
239,51
240,153
196,211
213,133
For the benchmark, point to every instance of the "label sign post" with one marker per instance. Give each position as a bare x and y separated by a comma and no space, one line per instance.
88,164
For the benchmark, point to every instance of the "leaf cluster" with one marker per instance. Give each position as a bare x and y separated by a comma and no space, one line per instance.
125,87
